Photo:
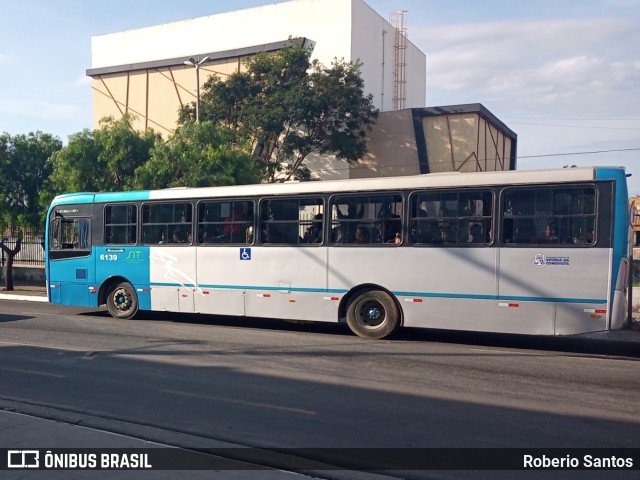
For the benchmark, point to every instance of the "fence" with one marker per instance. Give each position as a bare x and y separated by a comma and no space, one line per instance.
32,251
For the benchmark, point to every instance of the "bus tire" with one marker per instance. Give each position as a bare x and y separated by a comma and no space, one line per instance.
373,314
122,301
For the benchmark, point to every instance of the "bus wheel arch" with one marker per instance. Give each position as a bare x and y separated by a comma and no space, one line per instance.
120,297
371,311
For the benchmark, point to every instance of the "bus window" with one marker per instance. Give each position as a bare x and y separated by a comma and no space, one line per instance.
451,218
560,216
292,221
366,219
225,222
70,234
120,224
166,223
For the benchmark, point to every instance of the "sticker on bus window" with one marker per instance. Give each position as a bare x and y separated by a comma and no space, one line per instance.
245,253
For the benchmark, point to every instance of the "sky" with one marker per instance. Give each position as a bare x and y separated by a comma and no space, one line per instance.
563,74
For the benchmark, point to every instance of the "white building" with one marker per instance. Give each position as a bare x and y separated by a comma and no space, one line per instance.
142,71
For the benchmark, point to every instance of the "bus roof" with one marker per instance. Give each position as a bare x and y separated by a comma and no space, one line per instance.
432,180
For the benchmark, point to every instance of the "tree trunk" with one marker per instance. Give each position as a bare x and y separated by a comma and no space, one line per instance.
8,273
8,270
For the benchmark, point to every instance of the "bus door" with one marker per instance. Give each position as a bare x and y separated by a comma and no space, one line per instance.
71,266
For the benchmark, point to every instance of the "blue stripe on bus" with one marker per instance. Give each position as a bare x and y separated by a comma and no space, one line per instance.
595,301
108,197
518,298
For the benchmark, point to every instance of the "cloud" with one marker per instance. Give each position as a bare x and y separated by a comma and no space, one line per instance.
555,63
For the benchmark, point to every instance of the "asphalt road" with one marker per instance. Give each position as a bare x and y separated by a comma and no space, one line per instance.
211,381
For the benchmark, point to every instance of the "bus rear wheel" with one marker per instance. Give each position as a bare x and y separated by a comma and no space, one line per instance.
122,301
373,314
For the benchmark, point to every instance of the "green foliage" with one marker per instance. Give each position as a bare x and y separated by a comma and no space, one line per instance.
24,168
290,108
102,160
197,155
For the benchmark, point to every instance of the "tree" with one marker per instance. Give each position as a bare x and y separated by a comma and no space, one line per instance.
24,168
333,115
197,155
102,160
290,108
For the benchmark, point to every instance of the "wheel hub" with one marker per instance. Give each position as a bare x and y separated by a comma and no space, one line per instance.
373,313
121,299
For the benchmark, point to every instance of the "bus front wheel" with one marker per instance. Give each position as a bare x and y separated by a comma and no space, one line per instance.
122,301
373,314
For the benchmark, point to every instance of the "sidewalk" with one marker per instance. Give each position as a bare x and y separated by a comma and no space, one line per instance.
25,292
39,436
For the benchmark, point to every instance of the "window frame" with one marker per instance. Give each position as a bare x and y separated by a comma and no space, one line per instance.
251,223
105,225
320,201
550,217
333,224
168,226
488,220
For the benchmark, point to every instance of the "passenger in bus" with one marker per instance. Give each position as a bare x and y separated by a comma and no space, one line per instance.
475,234
549,234
355,211
338,234
423,210
236,232
313,234
177,237
390,224
362,235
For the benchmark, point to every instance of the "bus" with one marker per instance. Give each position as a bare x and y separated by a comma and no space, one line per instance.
540,252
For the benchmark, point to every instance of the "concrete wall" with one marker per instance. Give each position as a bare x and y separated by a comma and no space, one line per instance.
392,148
25,276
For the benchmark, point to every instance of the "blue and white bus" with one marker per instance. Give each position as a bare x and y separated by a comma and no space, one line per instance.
528,252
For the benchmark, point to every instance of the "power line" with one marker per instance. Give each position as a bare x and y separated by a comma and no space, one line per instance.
599,127
580,153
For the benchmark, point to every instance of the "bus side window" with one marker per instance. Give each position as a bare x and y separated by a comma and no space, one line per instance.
225,222
292,221
120,223
553,216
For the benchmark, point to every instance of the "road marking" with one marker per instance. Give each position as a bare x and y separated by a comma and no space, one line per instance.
242,402
32,372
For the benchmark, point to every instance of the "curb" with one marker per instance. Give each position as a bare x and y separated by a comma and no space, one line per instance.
26,298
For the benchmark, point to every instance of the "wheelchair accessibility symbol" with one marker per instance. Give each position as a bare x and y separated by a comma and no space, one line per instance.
245,254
